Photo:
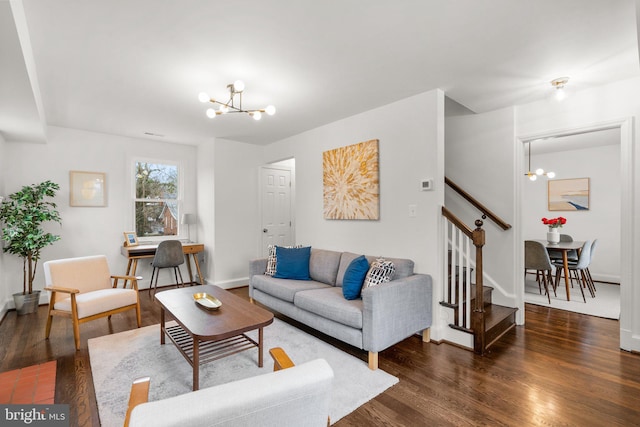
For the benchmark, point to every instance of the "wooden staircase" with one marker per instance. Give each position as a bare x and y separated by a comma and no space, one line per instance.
464,292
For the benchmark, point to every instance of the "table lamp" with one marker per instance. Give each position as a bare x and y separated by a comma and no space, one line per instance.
188,219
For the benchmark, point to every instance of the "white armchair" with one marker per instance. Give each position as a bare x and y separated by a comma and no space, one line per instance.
297,396
83,289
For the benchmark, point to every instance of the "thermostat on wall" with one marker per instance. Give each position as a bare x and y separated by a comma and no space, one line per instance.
426,184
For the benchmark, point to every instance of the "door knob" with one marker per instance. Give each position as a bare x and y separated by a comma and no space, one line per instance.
264,230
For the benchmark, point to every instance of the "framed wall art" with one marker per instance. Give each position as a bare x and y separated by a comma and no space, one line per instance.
130,238
568,194
87,189
350,179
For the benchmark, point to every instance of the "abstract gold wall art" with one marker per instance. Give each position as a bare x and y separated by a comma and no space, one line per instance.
351,182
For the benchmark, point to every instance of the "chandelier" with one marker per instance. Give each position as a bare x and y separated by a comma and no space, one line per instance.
235,90
538,172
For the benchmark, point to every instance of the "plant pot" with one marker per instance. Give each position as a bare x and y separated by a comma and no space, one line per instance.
26,303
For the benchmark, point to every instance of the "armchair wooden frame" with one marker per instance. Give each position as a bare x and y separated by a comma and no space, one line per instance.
140,387
73,314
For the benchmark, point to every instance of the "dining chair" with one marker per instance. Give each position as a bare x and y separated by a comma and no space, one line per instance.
536,258
578,269
587,271
168,255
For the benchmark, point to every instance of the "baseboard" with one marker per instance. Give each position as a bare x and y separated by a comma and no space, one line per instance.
230,284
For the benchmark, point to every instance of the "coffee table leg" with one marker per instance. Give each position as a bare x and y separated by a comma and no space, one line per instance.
162,326
260,345
196,363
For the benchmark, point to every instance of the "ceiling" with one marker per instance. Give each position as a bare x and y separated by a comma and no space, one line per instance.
134,67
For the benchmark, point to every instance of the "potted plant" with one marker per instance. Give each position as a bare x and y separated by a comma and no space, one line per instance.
22,216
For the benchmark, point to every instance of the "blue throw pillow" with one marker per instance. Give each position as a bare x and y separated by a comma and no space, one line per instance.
354,277
292,263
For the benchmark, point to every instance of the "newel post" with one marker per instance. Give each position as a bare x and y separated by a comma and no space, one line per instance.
477,319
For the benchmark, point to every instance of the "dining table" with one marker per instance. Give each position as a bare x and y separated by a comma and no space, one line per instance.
564,248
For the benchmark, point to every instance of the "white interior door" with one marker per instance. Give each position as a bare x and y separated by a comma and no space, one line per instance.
276,207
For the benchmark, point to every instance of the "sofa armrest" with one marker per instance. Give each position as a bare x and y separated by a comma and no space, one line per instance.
395,310
257,266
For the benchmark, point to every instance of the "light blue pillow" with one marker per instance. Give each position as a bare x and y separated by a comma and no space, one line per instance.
292,263
354,278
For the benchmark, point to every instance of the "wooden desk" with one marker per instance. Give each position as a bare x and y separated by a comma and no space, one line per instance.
135,253
564,247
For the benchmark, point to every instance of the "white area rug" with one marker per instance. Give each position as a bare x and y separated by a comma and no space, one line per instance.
605,304
116,360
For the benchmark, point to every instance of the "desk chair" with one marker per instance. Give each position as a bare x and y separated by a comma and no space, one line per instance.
168,255
82,290
536,258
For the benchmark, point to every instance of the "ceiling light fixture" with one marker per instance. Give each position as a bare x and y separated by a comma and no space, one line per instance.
559,84
235,88
538,172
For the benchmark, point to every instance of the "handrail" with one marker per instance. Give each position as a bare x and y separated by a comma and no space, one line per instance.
485,211
457,222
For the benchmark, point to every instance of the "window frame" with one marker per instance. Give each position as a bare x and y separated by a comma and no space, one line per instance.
181,234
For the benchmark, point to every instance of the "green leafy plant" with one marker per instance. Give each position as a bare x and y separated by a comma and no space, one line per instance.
23,215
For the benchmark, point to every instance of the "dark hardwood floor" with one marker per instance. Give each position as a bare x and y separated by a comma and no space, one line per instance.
562,368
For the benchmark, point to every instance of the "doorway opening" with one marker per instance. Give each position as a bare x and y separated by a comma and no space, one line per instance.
624,127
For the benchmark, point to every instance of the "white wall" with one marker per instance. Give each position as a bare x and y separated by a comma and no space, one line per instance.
237,221
601,221
88,231
479,158
617,102
411,148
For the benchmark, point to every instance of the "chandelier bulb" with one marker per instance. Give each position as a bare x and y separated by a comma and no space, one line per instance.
270,110
238,86
203,97
533,177
257,115
551,174
224,109
211,113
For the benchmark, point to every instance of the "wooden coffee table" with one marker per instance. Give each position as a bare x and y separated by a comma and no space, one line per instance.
203,335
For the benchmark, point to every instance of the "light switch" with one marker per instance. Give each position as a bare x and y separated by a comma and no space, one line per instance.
413,211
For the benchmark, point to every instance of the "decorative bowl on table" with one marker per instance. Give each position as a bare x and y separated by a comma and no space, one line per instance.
207,301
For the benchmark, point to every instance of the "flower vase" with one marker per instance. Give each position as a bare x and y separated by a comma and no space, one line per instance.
553,236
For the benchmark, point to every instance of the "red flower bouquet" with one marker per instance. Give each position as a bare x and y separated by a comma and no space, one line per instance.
554,222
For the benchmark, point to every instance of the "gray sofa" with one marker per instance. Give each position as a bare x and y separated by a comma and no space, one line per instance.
385,315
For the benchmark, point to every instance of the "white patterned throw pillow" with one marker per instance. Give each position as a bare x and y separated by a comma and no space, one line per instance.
381,271
271,258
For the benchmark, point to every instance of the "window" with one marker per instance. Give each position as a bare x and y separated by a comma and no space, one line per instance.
157,199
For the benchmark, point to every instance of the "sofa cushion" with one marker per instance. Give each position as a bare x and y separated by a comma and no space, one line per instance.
381,271
345,261
292,263
271,259
354,277
323,265
331,304
284,289
403,266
